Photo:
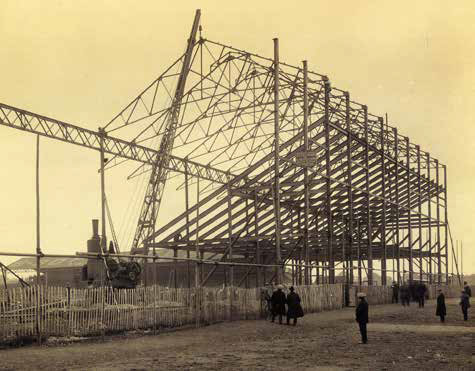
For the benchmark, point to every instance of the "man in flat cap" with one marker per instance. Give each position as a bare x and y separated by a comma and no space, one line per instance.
362,316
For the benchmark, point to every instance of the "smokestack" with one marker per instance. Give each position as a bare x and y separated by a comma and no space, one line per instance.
95,228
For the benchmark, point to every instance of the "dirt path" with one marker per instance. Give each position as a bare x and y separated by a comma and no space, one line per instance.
322,341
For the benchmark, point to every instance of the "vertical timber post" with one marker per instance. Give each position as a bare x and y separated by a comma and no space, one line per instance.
198,257
358,253
350,183
383,191
409,224
369,254
103,196
330,258
419,211
258,247
187,206
277,161
429,211
400,279
230,241
306,185
38,242
439,264
446,220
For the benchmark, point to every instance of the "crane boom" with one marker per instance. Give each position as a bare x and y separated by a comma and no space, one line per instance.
158,176
20,119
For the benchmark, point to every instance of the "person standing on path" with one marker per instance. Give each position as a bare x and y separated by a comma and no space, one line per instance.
464,304
395,288
362,316
294,309
467,289
266,304
441,310
421,293
278,303
405,295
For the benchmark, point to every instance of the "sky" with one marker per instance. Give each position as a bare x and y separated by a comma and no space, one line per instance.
83,61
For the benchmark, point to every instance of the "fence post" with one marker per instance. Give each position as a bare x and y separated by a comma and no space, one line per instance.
69,307
38,300
154,295
103,326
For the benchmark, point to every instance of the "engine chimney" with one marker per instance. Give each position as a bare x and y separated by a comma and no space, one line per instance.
95,228
94,266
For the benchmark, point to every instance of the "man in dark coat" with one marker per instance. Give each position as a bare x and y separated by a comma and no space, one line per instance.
294,309
395,288
405,295
467,289
278,303
421,293
464,304
412,291
441,310
362,316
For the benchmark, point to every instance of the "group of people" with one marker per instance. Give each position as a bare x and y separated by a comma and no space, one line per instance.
405,291
464,303
277,301
415,291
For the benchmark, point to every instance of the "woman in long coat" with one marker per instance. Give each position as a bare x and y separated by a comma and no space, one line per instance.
294,309
441,310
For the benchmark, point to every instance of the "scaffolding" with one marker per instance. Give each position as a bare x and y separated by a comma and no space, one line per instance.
290,172
313,177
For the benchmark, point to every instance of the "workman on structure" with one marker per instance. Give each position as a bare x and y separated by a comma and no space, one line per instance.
362,316
278,303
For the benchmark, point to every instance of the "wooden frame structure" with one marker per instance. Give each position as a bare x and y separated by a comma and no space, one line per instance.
289,171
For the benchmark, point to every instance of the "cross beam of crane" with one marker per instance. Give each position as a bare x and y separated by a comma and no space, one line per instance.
20,119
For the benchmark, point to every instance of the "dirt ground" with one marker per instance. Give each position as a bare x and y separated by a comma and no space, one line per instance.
400,338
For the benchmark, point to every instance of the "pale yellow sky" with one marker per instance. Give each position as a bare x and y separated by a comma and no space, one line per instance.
83,61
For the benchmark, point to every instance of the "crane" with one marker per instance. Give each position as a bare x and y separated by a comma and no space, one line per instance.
158,177
161,160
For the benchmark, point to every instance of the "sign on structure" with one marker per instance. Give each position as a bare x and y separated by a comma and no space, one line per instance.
306,158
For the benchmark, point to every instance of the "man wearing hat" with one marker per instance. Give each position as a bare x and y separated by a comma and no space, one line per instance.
278,303
441,309
294,309
464,304
362,316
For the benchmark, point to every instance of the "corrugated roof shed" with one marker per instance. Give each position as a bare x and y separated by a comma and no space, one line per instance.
47,263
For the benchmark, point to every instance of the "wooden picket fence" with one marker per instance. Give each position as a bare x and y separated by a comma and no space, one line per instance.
452,291
59,311
375,294
383,294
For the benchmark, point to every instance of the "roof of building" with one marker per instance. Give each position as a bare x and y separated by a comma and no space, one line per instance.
47,263
50,263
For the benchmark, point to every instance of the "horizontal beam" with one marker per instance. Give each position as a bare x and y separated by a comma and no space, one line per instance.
20,119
